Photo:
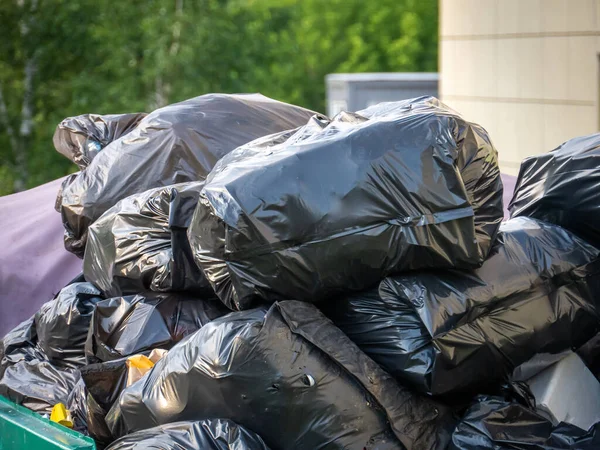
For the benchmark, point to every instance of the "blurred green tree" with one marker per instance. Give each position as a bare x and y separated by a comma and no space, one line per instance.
61,58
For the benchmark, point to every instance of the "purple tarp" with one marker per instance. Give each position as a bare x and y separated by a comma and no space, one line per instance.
34,265
509,187
33,262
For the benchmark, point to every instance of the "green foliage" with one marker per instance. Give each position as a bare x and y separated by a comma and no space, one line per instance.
108,56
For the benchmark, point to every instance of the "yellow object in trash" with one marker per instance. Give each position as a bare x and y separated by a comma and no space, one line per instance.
137,366
61,415
140,362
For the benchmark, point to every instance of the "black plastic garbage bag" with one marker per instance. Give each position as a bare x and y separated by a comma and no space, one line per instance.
216,434
495,424
37,385
124,326
290,376
62,324
590,354
88,416
141,244
80,138
174,144
450,331
561,187
20,344
341,204
99,387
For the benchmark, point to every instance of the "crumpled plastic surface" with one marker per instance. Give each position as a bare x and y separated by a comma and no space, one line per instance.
340,204
141,244
63,323
493,423
80,138
290,376
561,187
23,342
94,394
125,326
37,385
450,331
590,354
38,358
20,345
215,434
174,144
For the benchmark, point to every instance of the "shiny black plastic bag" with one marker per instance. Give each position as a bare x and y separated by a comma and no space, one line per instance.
99,387
125,326
495,424
38,357
62,324
88,416
590,354
20,344
174,144
340,204
80,138
561,187
140,244
452,331
216,434
37,385
290,376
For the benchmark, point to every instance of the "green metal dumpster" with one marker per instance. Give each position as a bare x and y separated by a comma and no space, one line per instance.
22,429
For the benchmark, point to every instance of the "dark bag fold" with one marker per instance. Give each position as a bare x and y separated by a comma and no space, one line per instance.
493,423
62,324
125,326
140,244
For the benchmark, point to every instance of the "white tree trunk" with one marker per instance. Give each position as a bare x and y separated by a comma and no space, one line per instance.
162,90
21,143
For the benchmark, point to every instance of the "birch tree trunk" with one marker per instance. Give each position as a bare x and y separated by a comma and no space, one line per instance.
20,137
162,89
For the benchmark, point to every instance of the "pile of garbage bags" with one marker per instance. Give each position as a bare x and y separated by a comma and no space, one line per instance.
448,332
305,402
174,144
260,276
342,203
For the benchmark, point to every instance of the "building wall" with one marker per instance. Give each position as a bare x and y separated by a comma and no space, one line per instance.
356,91
526,70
